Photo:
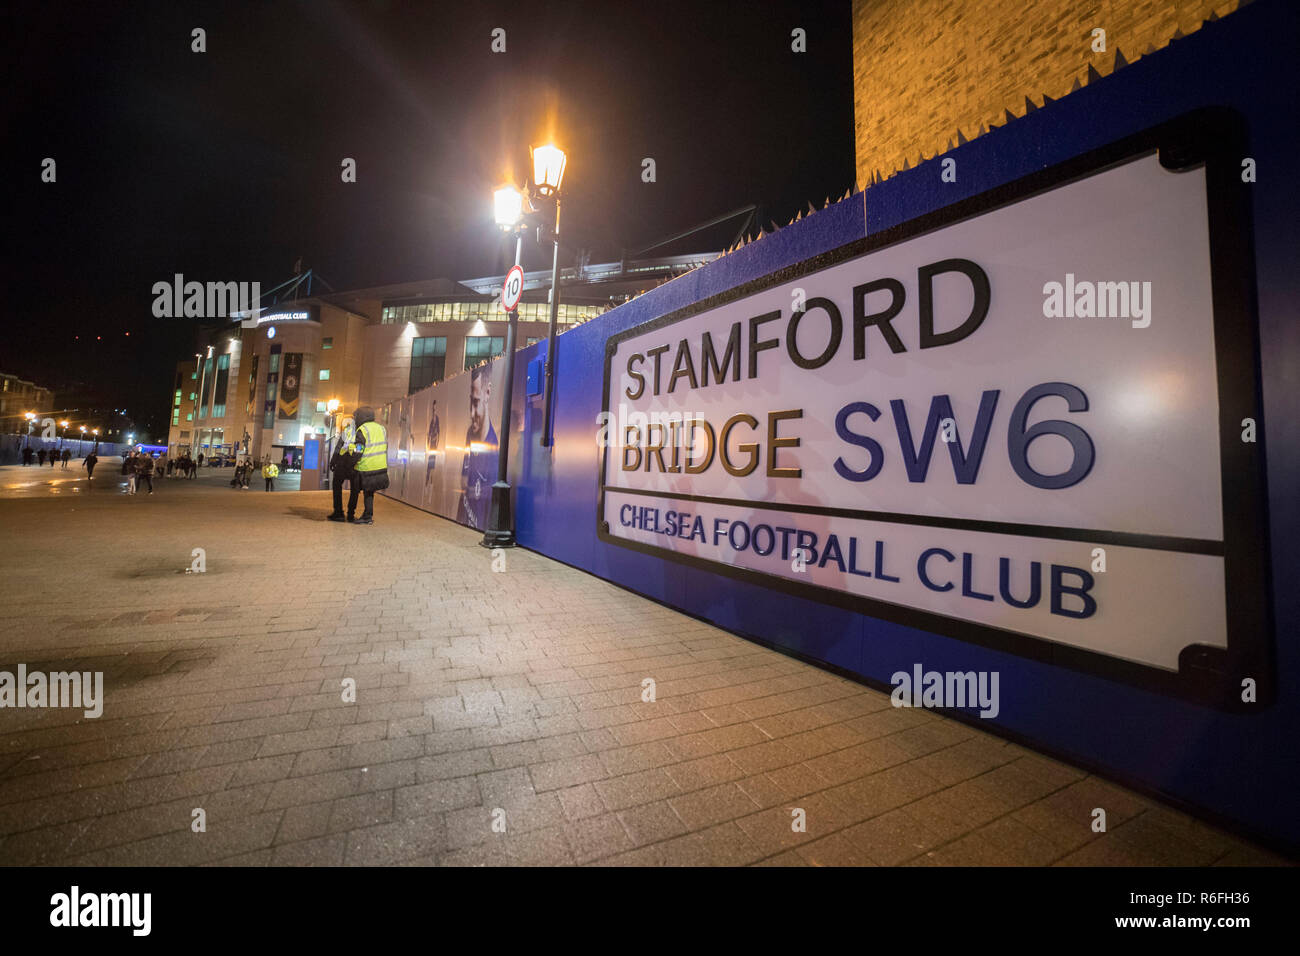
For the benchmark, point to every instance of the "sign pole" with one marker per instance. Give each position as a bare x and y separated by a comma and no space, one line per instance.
500,531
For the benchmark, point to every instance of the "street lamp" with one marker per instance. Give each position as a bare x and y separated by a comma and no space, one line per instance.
63,434
201,367
31,420
548,169
331,409
508,207
549,162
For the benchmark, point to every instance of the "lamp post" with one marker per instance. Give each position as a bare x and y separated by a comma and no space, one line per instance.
81,442
202,368
508,206
331,409
31,420
548,173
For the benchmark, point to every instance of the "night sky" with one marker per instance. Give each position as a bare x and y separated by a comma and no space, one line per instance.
225,165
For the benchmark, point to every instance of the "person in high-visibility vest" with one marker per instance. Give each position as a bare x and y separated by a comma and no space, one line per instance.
370,445
269,471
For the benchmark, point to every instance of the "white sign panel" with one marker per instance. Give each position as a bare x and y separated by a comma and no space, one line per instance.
1009,427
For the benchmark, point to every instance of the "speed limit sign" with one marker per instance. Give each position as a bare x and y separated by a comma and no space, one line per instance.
513,290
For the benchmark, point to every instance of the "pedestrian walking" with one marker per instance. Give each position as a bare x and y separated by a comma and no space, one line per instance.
89,464
128,469
269,472
27,455
54,454
40,458
67,457
370,445
144,470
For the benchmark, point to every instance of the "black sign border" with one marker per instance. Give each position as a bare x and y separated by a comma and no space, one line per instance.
1215,137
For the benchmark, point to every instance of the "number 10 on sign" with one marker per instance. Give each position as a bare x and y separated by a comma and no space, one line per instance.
513,289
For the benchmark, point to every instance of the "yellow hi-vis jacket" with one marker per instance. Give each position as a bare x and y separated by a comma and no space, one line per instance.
270,471
374,448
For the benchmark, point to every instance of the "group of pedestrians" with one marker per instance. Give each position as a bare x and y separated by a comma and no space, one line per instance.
363,464
244,473
138,466
42,455
180,467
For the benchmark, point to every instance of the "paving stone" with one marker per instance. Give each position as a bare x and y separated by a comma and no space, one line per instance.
651,823
425,798
703,808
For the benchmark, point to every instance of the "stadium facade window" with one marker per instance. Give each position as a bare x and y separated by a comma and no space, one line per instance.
428,362
480,347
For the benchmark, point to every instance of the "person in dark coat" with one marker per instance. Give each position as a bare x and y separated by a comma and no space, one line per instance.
40,458
27,455
129,472
67,457
341,470
144,470
89,464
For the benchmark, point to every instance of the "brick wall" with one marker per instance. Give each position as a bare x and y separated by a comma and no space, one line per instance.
924,69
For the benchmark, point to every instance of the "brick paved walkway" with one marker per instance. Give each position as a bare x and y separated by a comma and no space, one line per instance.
476,692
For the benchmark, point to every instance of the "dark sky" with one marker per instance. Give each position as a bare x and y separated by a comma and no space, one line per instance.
225,165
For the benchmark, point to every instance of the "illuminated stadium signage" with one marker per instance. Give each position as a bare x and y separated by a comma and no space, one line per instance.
299,316
917,428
